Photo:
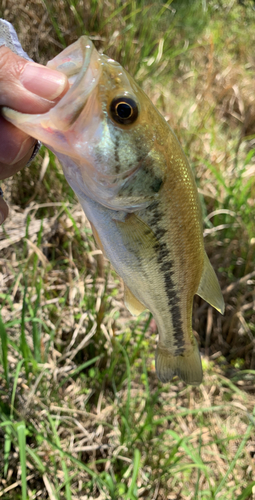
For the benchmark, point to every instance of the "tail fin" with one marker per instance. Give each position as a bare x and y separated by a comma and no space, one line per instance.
187,367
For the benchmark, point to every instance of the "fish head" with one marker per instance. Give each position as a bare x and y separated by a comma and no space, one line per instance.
103,130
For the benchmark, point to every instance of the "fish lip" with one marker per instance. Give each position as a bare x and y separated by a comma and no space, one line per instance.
88,68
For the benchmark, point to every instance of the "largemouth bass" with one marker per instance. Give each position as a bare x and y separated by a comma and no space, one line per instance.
137,189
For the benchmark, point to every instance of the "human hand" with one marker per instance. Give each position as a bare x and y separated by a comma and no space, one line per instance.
29,88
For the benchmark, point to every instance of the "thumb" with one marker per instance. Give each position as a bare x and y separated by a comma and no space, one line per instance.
26,86
29,88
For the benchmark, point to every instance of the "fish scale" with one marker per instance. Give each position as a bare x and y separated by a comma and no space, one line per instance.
137,189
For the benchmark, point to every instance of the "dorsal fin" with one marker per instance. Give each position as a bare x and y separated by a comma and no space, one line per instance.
209,288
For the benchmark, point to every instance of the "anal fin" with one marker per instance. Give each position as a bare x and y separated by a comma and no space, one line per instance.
209,288
97,237
132,303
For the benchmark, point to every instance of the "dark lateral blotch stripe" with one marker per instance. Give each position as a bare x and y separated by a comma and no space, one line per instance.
157,183
159,232
166,268
116,154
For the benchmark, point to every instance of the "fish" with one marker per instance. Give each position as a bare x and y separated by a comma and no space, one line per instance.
137,189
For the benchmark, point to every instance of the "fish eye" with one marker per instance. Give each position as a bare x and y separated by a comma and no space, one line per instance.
124,110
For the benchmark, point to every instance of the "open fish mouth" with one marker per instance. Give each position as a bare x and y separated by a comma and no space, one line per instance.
81,63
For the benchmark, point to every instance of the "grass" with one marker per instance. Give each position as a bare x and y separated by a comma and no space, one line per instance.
82,413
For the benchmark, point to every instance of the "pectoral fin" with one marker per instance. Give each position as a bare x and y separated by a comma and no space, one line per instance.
132,303
209,288
137,235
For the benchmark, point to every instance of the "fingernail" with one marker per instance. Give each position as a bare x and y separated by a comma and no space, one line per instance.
42,81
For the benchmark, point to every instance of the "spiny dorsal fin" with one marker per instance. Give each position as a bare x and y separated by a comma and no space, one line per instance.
132,303
209,288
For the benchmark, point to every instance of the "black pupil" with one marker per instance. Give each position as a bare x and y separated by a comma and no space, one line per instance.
124,110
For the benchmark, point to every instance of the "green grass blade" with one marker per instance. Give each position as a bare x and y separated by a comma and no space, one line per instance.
63,463
76,229
246,492
198,470
23,343
196,459
4,343
7,448
36,258
79,369
132,494
15,383
54,21
114,14
36,327
76,14
163,10
39,463
21,431
237,455
125,416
